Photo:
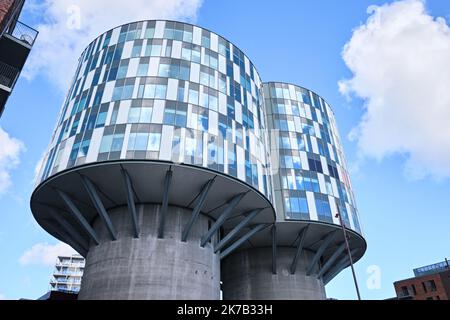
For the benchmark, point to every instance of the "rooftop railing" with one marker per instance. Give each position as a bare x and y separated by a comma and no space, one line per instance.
24,33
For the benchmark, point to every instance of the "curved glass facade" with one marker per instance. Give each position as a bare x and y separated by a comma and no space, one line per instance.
311,179
169,91
163,90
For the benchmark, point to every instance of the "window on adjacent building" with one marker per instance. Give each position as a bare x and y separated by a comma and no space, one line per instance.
405,291
430,285
413,287
424,287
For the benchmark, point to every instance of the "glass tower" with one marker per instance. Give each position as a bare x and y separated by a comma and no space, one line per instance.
170,149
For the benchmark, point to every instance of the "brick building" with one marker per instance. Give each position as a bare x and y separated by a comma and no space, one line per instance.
429,283
7,10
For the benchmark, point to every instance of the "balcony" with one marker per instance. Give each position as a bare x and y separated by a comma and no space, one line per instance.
24,34
8,76
15,46
16,43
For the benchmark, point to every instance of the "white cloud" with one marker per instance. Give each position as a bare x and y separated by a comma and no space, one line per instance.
45,254
10,149
400,60
70,25
2,297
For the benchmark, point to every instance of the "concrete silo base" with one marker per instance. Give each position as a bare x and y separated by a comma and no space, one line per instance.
149,267
247,275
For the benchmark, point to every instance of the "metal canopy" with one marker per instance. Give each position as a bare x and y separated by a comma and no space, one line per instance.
202,190
131,183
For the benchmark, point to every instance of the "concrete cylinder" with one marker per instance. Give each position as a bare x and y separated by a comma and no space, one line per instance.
247,275
148,267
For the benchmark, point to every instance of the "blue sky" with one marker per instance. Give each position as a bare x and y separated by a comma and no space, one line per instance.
398,156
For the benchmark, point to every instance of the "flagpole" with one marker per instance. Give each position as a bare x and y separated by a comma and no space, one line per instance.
348,252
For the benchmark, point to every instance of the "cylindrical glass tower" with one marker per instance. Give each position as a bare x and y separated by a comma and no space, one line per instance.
160,146
310,187
164,163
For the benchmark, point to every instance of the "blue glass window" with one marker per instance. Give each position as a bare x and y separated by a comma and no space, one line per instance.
149,32
146,115
300,185
143,67
106,143
296,208
117,143
193,96
123,69
137,49
196,54
74,152
169,114
323,209
187,36
181,116
186,52
133,115
153,49
155,91
154,141
84,148
138,141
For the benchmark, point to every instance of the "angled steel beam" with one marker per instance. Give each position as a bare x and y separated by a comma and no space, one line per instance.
341,265
63,235
69,229
247,236
249,217
131,204
326,242
298,253
328,277
274,249
96,200
197,209
78,216
331,260
165,204
223,217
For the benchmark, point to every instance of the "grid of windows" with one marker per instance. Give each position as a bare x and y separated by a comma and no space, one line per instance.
171,91
310,157
166,91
